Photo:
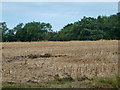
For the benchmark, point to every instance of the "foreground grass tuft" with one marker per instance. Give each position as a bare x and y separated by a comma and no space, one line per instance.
110,82
69,83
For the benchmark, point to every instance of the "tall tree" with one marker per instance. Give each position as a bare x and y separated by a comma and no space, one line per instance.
4,31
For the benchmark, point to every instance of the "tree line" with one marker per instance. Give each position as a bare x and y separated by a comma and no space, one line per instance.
88,28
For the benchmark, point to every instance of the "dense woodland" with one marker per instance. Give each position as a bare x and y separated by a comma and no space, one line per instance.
88,28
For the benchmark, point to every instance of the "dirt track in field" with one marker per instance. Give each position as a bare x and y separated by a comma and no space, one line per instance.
37,62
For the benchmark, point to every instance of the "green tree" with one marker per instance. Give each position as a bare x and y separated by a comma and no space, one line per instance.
4,31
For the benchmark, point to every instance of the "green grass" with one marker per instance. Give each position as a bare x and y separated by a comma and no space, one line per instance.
3,55
108,82
57,82
68,83
24,85
15,86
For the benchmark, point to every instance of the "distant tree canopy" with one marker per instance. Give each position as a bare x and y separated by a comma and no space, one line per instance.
88,28
32,31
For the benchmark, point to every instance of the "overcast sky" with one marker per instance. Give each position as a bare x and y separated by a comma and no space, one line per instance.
58,14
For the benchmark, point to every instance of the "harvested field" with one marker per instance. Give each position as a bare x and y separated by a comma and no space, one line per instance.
40,62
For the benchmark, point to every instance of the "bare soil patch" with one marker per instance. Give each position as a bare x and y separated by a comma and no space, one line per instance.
34,56
41,62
